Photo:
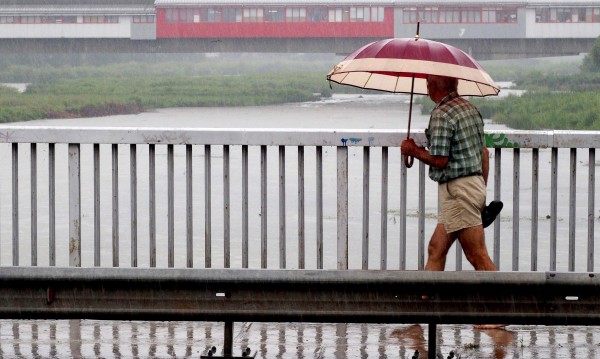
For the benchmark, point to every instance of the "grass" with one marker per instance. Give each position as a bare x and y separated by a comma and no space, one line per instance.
93,96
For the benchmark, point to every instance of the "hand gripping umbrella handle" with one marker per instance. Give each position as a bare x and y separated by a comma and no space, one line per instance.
408,160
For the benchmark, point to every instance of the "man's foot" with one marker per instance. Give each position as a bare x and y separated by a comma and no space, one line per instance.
490,212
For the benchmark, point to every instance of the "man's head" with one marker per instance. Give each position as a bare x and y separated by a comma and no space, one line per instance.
439,87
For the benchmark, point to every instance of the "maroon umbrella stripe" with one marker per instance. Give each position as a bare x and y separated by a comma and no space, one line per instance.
414,50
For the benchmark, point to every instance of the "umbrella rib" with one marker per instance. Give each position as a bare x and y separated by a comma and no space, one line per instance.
368,79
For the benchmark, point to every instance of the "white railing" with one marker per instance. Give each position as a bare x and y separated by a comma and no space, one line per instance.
278,199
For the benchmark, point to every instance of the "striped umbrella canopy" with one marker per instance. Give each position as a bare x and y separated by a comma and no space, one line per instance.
401,65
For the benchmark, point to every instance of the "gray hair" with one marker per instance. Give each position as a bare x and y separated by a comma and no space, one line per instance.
443,82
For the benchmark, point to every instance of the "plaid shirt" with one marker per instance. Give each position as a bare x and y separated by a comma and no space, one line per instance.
456,131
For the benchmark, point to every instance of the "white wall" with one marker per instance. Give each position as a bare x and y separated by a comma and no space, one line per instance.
79,30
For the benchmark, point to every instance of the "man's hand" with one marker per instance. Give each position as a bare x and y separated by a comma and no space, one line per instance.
409,147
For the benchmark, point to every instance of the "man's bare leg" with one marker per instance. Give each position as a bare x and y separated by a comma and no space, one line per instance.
473,242
438,248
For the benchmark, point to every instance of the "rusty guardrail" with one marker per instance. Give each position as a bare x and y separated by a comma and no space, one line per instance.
232,295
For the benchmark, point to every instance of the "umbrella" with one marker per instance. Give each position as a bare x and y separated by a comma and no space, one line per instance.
401,65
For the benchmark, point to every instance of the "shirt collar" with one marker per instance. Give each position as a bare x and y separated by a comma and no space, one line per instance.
449,97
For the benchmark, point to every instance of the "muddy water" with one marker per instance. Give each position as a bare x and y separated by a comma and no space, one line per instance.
111,339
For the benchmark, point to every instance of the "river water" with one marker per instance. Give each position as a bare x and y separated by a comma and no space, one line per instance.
89,338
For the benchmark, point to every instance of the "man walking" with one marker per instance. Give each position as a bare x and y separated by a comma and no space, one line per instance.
459,162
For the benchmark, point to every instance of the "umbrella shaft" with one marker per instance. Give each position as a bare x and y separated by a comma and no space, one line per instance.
412,87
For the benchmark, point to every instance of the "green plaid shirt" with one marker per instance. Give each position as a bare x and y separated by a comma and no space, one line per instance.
456,131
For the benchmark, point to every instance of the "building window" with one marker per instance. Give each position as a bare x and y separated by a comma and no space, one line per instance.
318,14
143,19
366,14
171,15
456,15
566,14
274,14
43,19
253,14
100,19
340,14
232,14
208,15
295,14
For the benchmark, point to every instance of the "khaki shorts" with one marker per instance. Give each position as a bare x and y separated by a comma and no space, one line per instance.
461,202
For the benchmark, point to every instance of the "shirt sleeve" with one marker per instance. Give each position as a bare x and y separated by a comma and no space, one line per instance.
441,135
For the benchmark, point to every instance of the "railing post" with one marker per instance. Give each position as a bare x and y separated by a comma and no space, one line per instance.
170,206
15,204
553,207
245,206
97,240
342,207
152,203
51,204
432,341
384,207
516,216
301,237
228,340
365,219
226,209
497,197
282,227
133,202
115,204
34,253
421,235
189,207
319,204
572,206
402,216
74,205
535,165
263,207
591,201
207,208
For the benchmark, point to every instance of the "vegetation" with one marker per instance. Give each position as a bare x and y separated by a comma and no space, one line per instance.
591,63
132,87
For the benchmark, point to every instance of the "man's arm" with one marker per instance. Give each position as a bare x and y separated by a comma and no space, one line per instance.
485,164
410,148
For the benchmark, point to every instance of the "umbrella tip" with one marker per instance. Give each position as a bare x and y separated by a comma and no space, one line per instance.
417,35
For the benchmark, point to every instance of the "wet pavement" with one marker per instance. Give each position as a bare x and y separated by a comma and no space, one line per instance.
123,339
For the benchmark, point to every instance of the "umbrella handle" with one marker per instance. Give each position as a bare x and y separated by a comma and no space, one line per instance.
408,161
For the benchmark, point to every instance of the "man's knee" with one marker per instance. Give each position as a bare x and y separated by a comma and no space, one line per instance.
439,244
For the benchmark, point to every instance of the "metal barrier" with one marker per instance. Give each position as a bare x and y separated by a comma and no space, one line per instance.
301,296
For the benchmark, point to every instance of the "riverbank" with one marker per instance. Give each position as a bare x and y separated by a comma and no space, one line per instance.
132,88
